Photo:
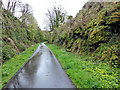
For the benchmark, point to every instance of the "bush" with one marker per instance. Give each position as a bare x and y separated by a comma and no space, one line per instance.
7,52
21,47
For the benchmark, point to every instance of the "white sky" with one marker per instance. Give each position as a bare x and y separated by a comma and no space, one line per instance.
40,7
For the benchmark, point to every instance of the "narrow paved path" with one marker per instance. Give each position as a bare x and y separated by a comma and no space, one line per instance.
41,71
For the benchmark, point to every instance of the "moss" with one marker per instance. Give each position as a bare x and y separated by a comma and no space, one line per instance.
70,43
115,17
77,30
99,33
92,28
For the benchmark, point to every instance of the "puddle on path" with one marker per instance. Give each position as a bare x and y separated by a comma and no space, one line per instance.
42,71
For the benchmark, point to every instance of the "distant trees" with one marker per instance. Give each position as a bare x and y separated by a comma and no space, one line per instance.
26,13
22,28
55,17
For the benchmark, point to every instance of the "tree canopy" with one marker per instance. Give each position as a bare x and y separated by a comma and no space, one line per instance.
55,17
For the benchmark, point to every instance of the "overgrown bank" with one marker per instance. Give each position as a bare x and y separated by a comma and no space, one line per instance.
19,33
86,73
94,34
95,31
10,67
83,72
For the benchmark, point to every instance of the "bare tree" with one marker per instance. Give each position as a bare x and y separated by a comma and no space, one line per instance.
11,5
55,17
26,11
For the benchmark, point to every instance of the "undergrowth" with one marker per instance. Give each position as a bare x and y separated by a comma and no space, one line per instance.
81,69
10,67
84,72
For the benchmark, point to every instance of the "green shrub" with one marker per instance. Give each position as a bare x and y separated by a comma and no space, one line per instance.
10,67
21,47
7,52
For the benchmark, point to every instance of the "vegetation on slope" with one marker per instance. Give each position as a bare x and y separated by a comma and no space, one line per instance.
86,73
10,67
83,72
18,34
94,32
94,35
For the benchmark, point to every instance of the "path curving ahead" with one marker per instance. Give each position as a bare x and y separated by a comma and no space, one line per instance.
41,71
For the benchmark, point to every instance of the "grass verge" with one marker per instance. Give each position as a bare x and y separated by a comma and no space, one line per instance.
84,73
10,67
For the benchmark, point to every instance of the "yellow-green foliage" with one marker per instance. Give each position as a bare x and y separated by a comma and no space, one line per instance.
105,78
84,72
99,33
114,16
93,27
108,53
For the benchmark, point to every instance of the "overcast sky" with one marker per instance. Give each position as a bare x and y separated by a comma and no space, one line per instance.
40,7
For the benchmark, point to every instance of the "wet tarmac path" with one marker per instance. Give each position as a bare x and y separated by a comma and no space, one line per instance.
41,71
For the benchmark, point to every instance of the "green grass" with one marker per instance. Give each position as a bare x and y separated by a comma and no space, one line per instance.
86,73
10,67
0,77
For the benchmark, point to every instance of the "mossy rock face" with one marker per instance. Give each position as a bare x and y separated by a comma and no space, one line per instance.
77,30
107,53
70,43
115,17
84,43
92,28
99,34
78,41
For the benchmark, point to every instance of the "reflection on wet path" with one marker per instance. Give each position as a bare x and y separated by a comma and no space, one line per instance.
42,71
